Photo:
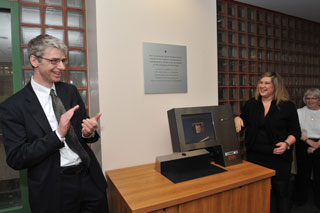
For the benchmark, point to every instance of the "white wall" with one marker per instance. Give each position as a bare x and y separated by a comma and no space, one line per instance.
134,126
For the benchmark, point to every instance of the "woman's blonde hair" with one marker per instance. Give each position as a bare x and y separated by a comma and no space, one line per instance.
280,91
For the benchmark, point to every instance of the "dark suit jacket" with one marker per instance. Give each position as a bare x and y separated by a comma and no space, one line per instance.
31,144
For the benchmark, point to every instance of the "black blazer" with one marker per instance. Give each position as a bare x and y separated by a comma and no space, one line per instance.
31,144
281,121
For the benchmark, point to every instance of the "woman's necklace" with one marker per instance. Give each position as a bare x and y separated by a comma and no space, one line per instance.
313,114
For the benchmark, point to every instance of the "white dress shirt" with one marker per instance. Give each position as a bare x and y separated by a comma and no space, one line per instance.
67,156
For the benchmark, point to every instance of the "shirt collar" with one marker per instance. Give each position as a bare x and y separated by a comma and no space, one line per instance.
42,90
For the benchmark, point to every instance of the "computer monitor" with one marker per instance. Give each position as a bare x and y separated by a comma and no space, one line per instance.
210,127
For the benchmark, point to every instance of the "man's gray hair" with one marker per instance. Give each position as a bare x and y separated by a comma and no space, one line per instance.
39,44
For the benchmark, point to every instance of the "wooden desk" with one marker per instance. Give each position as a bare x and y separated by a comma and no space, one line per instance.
243,188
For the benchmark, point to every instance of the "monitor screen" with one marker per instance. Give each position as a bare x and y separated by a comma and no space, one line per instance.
205,127
194,128
198,128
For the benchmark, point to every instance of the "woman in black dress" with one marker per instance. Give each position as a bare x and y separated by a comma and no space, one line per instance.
271,126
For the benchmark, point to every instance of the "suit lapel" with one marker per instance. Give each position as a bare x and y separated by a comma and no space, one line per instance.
33,105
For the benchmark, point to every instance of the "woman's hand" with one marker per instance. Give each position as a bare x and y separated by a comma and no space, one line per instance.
310,150
281,148
313,144
238,122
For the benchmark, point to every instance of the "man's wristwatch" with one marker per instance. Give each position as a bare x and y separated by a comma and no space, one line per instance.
288,145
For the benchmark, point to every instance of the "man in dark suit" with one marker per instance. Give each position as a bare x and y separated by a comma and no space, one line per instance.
60,178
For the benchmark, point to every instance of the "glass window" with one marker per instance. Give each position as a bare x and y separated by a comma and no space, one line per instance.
221,22
269,18
284,21
261,67
277,56
269,31
28,33
241,12
231,24
233,93
252,66
243,52
78,78
243,80
284,34
276,44
242,39
243,66
260,16
251,14
222,93
252,53
270,67
10,194
27,74
291,35
261,55
233,66
277,32
232,37
76,39
261,29
222,51
242,26
256,40
270,55
75,19
34,1
251,27
292,23
231,10
277,20
25,56
30,15
252,40
75,4
58,33
270,43
76,58
53,16
233,80
54,2
221,36
221,79
222,65
235,107
233,52
253,80
261,42
84,96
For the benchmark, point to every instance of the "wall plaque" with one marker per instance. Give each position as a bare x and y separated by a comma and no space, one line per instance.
165,68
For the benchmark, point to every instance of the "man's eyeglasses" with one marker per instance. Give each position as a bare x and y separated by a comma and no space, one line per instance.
55,61
311,99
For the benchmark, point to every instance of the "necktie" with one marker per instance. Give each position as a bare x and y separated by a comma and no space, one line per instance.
71,137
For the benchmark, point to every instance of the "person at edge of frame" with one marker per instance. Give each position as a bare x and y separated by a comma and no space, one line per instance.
307,149
271,125
60,179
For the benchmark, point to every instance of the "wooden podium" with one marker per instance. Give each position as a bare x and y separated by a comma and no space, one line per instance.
243,188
